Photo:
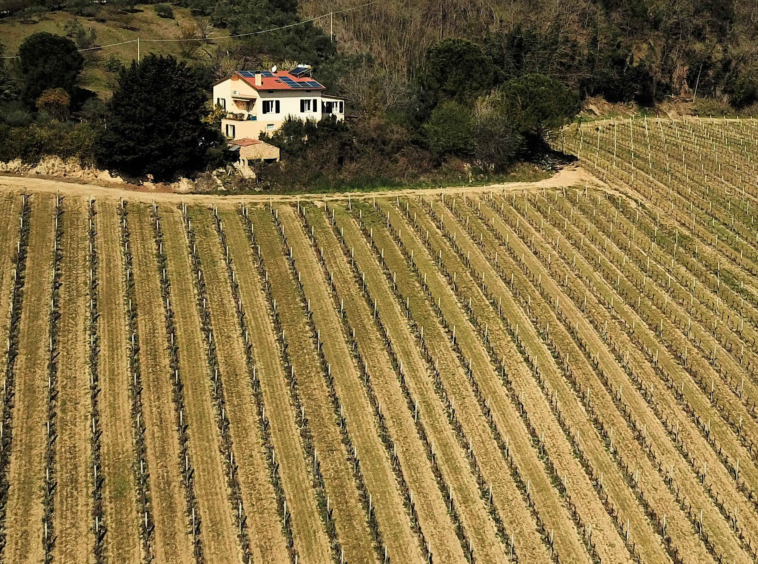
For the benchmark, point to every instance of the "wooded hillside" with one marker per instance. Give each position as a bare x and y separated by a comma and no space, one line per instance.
643,49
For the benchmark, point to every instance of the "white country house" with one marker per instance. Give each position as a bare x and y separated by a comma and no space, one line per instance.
259,101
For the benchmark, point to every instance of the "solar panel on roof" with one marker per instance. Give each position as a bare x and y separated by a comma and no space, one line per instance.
267,73
312,84
300,71
247,74
289,82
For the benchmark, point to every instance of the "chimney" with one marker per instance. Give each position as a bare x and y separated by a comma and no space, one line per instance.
258,79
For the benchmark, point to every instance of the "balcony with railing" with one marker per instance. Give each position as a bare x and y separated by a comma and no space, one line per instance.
241,116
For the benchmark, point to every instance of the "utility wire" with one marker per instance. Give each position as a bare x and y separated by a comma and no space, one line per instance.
104,46
233,36
99,47
219,37
330,14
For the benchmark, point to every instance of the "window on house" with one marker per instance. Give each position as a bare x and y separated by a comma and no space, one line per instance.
315,105
305,106
270,127
271,106
230,131
221,102
342,107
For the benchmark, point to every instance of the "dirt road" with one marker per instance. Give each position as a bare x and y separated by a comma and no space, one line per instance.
568,176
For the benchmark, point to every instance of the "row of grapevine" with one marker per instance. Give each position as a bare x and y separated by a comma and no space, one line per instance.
12,352
48,502
135,388
411,403
500,367
638,430
177,396
351,453
605,431
325,509
362,365
445,399
536,440
99,527
699,371
250,362
700,422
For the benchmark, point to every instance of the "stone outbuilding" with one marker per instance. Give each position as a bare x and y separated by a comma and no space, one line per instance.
253,150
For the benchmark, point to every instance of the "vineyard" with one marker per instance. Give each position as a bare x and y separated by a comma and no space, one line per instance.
511,375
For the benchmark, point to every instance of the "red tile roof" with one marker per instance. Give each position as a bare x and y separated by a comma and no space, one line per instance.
245,142
276,82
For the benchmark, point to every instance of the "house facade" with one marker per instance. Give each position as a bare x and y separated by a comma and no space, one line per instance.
259,101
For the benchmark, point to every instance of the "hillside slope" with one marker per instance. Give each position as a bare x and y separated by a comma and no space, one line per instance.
111,27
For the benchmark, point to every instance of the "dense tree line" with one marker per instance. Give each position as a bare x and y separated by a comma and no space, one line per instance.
624,50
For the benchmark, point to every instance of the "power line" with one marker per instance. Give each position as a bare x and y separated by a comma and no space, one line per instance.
104,46
234,36
99,47
330,14
220,37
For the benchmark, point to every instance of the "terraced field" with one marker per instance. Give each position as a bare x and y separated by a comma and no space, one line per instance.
523,374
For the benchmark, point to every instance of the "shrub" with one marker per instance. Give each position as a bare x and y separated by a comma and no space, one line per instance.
706,107
64,140
55,102
456,68
84,8
745,91
164,11
8,90
18,118
113,64
450,130
83,38
189,44
537,105
48,61
93,109
370,153
497,140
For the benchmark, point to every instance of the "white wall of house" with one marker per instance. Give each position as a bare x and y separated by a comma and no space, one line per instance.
257,109
222,95
337,106
289,104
